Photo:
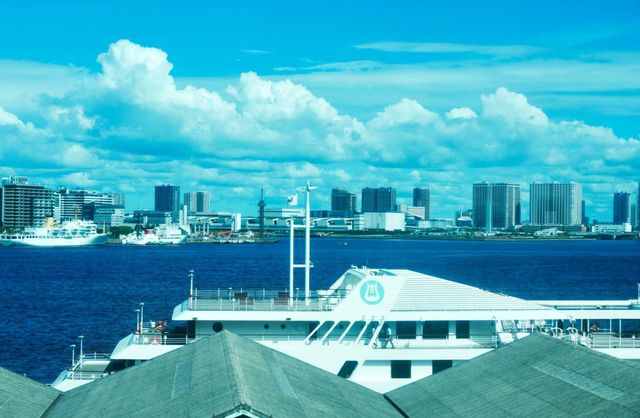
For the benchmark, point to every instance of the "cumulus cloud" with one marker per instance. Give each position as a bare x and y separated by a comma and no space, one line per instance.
462,113
130,125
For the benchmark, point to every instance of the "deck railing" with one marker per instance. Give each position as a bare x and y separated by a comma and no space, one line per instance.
261,300
474,341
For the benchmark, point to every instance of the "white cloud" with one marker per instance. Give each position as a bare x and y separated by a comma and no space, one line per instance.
78,179
449,48
131,125
462,113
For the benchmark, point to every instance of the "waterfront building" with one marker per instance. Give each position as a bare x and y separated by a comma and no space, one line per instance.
496,205
585,218
101,214
167,199
621,207
197,202
422,198
24,205
73,201
382,199
634,215
343,201
151,217
555,204
386,221
417,211
118,198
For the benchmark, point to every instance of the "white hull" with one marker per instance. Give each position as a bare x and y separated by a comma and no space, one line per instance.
99,239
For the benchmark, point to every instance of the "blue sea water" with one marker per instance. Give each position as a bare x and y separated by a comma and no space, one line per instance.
50,296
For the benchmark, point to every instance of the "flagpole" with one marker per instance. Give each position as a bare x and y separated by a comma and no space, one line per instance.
307,244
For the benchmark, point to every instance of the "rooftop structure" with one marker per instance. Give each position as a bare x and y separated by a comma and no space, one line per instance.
537,376
226,375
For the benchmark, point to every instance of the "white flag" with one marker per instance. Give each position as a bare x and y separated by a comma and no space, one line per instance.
293,200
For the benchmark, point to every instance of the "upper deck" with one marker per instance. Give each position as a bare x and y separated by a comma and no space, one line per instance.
398,294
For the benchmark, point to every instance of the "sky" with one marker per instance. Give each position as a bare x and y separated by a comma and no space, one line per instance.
234,97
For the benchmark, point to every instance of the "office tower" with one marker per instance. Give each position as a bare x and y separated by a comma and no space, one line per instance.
167,198
555,204
73,201
197,202
23,205
422,198
634,216
585,218
621,207
343,201
118,198
496,205
382,199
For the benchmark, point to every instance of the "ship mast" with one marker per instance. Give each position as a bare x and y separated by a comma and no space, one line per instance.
307,246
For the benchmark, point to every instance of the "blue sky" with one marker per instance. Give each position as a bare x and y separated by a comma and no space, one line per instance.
237,96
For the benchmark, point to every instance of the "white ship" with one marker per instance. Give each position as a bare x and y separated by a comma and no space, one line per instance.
70,234
382,328
162,234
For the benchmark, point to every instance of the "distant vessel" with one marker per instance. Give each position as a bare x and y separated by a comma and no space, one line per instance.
70,234
162,234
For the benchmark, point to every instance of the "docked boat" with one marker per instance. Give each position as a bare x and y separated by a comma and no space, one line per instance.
382,328
162,234
70,234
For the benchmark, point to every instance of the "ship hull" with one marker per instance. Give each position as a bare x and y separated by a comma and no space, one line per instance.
99,239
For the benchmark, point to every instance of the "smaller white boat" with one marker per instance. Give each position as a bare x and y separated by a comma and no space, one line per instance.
70,234
162,234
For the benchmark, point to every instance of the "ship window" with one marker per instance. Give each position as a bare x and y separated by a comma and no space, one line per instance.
266,326
440,365
282,326
462,329
347,368
400,369
406,329
217,327
435,329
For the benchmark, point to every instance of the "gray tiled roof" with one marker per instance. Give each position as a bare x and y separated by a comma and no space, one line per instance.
23,397
536,376
218,375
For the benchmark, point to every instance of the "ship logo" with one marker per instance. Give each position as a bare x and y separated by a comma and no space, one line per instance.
372,292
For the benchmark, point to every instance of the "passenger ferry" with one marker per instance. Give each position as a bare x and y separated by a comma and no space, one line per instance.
382,328
70,234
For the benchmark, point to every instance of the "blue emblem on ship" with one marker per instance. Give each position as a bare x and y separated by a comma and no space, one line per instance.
372,292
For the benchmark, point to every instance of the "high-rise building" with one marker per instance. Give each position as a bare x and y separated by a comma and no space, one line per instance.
118,198
72,202
422,198
585,218
23,205
634,215
621,207
638,207
167,199
343,201
496,205
382,199
555,204
197,202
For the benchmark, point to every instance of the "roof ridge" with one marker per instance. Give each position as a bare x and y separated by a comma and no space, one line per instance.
233,370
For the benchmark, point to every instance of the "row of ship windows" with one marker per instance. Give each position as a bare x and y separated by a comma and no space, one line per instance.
407,329
400,369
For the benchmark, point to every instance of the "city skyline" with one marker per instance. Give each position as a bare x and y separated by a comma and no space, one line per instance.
395,96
